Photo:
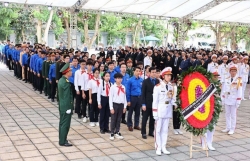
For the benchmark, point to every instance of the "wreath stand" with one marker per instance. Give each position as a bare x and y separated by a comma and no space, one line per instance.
197,148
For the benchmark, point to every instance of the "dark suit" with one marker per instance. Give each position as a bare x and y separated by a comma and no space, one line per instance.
140,57
176,65
147,99
196,63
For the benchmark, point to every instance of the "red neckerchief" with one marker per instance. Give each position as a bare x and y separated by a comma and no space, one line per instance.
107,89
97,82
120,89
90,76
83,71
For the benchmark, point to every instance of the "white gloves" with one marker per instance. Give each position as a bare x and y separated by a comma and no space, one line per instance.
237,105
68,111
156,118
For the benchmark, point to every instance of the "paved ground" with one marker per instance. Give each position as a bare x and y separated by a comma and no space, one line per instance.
29,131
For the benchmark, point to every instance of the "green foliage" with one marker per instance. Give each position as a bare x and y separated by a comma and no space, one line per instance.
217,104
7,15
43,15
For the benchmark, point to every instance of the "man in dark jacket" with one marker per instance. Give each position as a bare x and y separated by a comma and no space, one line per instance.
147,99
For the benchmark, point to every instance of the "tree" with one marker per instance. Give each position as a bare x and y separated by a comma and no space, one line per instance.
86,22
7,16
221,31
44,16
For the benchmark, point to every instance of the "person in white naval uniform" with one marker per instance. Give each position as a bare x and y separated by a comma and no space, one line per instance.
210,134
235,62
213,66
244,70
223,69
164,99
231,98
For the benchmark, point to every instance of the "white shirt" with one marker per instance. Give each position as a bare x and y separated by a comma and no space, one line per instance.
223,72
102,90
86,79
115,98
79,79
232,91
148,61
243,73
163,100
212,67
93,84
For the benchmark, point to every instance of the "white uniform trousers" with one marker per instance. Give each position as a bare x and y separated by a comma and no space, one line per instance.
209,138
230,111
244,84
161,133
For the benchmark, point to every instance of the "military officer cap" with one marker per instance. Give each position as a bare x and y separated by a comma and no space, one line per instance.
233,67
166,71
225,57
216,74
214,56
245,58
234,58
129,61
65,69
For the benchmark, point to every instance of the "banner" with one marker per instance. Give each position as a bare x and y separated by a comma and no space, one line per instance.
192,108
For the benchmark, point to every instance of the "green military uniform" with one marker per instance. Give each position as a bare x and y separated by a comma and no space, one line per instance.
65,104
130,71
44,79
59,65
46,73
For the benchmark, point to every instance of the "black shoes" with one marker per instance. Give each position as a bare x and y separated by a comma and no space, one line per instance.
66,144
144,136
79,116
107,131
52,100
124,122
46,95
151,135
41,92
102,131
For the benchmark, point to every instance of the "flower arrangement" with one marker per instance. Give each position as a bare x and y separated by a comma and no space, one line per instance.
192,84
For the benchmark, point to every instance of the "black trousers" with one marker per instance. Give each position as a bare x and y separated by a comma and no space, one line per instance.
30,76
94,111
73,90
79,102
124,114
34,80
145,115
19,70
40,81
15,68
53,88
104,113
116,117
176,119
135,106
85,104
25,72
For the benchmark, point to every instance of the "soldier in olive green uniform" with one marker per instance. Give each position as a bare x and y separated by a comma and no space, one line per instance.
130,69
65,104
46,73
44,80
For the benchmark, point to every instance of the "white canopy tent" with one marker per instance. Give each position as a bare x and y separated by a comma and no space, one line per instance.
236,12
213,10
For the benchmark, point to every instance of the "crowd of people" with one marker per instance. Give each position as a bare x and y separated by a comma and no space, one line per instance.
97,87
